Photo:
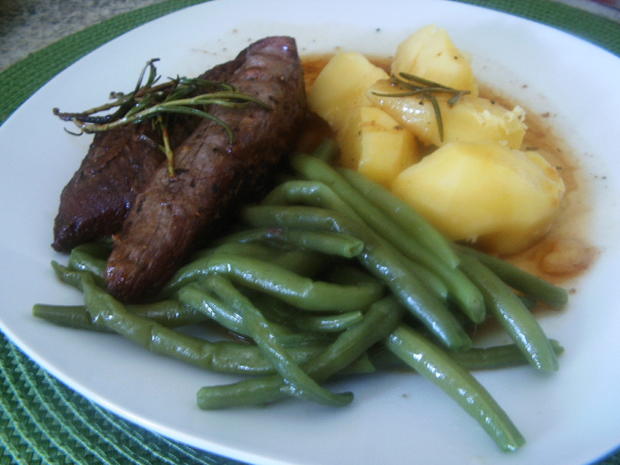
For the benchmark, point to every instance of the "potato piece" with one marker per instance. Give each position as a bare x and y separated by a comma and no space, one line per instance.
376,145
342,85
505,199
472,119
430,53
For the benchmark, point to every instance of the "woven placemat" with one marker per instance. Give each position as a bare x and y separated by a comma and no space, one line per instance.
43,421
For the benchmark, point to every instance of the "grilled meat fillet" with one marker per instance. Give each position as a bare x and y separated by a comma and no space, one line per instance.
118,165
212,174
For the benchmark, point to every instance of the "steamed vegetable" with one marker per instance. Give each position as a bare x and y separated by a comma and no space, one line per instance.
430,105
472,119
503,198
341,87
376,145
430,53
370,140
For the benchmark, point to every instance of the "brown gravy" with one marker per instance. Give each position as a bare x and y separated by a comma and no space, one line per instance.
564,253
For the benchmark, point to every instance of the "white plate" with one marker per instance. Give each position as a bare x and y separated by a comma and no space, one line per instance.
568,419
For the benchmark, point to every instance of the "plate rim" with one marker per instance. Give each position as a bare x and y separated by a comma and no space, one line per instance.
42,362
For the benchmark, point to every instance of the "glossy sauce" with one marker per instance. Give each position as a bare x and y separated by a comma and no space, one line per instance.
564,252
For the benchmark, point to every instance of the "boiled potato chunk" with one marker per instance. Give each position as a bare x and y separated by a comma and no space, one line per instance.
430,53
342,85
376,145
471,119
504,199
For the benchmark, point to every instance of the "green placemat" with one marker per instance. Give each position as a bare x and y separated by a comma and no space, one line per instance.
44,422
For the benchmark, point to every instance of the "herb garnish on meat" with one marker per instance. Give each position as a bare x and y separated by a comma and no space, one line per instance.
180,95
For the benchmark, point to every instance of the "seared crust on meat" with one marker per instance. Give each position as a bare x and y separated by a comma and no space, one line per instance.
212,174
94,203
118,165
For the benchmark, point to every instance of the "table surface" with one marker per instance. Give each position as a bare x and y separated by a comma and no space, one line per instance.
30,25
53,424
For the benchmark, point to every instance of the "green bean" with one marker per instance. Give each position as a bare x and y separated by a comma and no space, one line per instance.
528,301
169,313
437,366
274,280
362,366
96,249
80,259
404,215
303,262
201,301
381,260
460,287
72,277
318,194
345,273
328,243
328,323
254,250
223,356
427,278
326,150
273,308
196,298
312,193
70,316
277,311
340,274
514,317
477,358
491,358
529,284
381,319
298,382
166,312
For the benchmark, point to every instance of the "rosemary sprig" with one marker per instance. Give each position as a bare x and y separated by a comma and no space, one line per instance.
411,85
181,95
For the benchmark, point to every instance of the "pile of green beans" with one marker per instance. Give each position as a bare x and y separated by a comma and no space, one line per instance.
330,275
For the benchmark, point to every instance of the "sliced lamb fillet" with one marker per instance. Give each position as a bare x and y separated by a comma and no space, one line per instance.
212,174
118,165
